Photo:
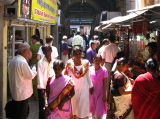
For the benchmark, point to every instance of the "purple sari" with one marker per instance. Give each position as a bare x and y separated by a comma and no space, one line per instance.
56,87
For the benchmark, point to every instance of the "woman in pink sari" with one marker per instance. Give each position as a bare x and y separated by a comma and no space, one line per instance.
60,91
98,76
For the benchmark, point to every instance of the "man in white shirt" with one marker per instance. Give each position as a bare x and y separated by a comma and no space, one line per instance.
44,71
20,80
49,40
77,40
110,52
105,42
108,55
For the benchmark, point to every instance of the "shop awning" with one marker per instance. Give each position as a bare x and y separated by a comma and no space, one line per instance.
134,14
102,27
119,19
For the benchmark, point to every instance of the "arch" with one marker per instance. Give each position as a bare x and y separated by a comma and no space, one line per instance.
92,3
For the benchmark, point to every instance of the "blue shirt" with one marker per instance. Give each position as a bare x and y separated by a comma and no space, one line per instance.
90,54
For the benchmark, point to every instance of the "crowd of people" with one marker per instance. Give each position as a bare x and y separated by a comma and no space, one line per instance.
80,84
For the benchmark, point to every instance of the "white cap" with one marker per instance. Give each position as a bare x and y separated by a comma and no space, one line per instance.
64,37
95,36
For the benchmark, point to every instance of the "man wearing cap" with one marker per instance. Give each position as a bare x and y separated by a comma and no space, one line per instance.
20,81
64,49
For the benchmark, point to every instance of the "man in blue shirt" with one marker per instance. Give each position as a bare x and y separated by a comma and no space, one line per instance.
91,52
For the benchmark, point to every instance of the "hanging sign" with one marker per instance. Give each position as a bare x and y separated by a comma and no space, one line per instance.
44,10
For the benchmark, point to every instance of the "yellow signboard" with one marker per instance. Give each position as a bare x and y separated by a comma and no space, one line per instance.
44,10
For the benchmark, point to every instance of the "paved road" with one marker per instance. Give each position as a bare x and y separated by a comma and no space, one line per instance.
33,114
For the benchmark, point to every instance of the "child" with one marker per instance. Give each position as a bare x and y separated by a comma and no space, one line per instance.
98,76
61,90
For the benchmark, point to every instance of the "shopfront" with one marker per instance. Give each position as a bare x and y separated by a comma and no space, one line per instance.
26,18
21,20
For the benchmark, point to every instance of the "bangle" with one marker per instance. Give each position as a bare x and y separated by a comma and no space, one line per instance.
69,96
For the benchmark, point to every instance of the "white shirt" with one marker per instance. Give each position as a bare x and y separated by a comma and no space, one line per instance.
44,71
20,78
101,50
77,40
54,53
110,52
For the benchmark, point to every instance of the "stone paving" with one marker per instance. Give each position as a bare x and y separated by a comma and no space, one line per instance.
33,104
33,114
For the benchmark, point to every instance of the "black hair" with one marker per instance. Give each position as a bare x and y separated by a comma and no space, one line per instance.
97,56
122,60
76,48
46,46
112,39
59,62
152,65
49,38
36,37
93,42
118,62
78,33
41,41
153,45
104,41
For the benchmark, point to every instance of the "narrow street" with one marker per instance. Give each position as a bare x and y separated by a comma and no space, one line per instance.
33,113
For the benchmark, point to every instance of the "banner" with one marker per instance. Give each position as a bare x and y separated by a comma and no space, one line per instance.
24,9
44,10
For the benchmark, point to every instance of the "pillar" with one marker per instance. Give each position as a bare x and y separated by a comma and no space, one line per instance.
54,32
3,63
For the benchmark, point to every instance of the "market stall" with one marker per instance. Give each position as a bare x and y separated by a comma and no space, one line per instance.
134,31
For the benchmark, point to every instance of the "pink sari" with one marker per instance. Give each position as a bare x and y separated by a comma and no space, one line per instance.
57,93
97,106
